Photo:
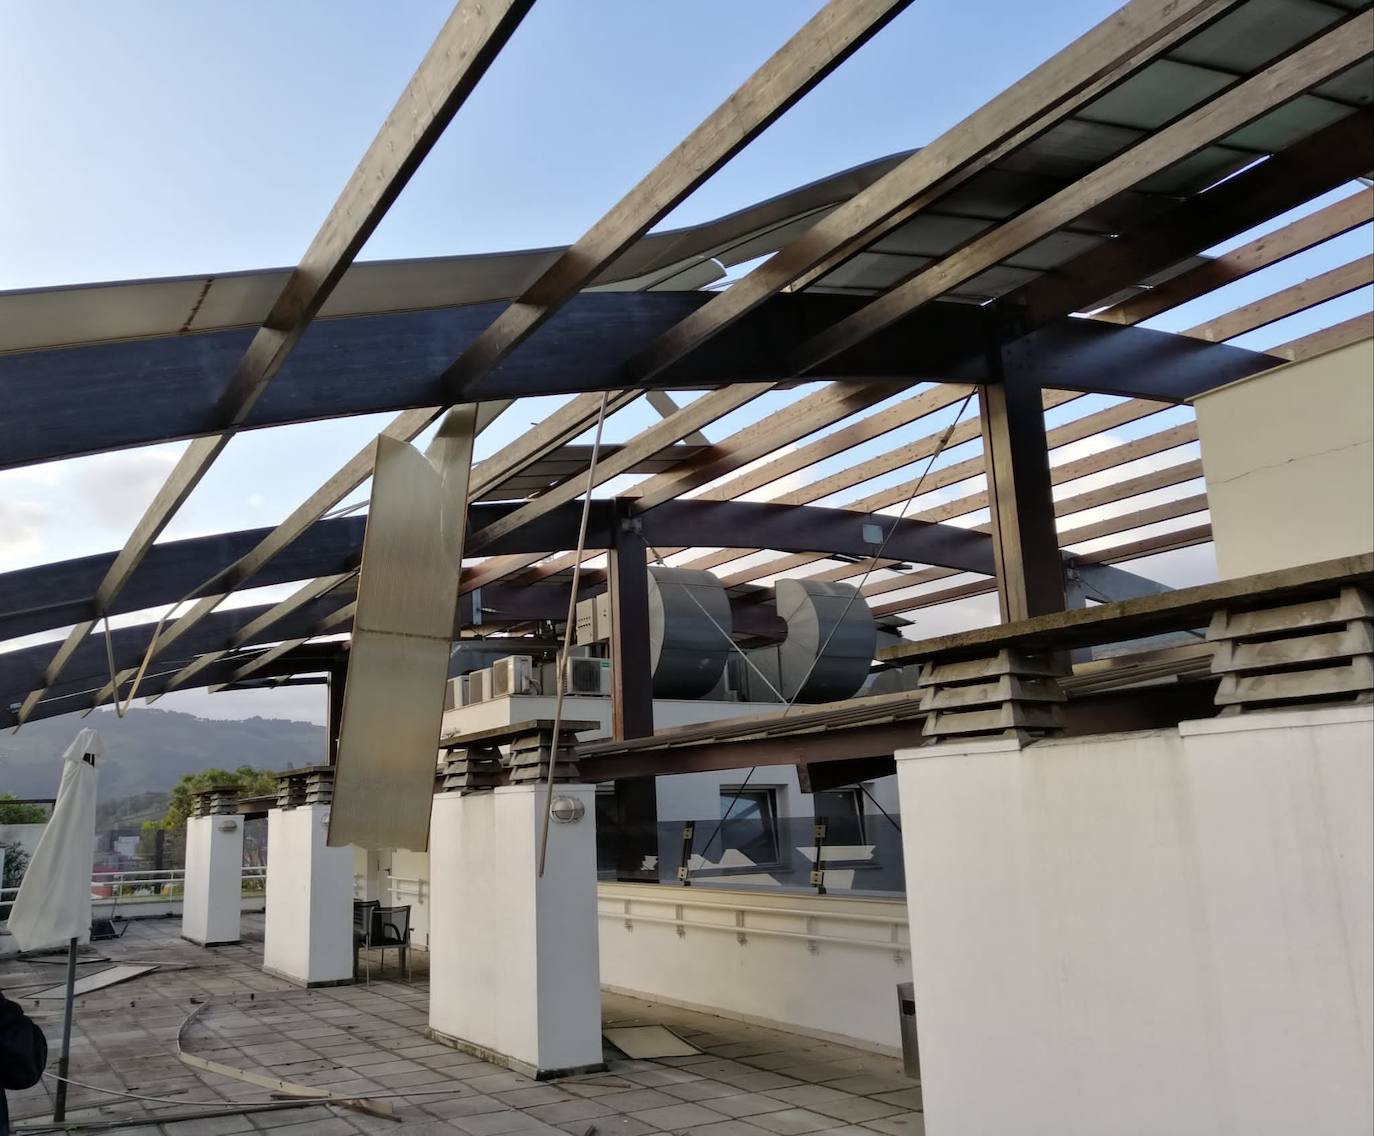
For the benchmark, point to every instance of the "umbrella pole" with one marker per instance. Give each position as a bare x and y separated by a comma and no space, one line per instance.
59,1106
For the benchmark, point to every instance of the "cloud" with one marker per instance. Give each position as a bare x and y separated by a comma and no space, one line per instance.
77,507
21,533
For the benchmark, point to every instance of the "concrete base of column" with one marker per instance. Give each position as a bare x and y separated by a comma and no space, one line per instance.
213,884
308,931
514,965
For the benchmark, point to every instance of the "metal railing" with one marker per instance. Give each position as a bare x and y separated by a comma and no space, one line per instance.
149,886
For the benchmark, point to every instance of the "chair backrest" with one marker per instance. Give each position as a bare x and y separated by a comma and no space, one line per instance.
390,925
361,908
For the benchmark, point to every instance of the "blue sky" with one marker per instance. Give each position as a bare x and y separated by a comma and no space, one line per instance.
159,138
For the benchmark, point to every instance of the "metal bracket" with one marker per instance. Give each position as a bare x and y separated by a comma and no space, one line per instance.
684,869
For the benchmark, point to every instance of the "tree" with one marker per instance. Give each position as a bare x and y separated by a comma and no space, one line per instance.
21,813
16,864
248,781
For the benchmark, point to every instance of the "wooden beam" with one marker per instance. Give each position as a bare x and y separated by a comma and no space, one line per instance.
1272,248
1356,274
1318,164
1055,90
1328,339
1083,427
822,44
1347,44
465,47
1066,506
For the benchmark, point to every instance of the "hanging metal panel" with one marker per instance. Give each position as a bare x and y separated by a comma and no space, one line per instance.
407,592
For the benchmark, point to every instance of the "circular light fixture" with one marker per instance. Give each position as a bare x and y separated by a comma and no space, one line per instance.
567,810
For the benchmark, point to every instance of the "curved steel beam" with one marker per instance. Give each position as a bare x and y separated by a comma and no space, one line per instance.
72,401
56,595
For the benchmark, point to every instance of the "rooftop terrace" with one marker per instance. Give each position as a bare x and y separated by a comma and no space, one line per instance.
369,1041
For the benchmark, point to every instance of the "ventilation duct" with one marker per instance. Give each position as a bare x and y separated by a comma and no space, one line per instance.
689,631
833,616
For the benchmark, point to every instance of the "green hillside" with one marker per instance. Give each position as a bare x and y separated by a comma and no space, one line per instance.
149,750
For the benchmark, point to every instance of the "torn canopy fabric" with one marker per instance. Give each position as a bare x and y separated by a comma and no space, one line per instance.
54,901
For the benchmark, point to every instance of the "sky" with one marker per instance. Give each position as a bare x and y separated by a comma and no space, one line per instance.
159,139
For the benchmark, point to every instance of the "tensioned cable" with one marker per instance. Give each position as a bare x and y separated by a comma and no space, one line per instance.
560,670
858,590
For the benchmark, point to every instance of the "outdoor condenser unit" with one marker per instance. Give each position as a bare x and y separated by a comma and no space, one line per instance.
585,677
512,675
479,685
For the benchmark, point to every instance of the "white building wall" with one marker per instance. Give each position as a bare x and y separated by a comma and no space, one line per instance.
1167,931
827,966
1289,460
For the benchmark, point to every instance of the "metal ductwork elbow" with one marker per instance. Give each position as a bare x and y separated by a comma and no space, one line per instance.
829,620
689,631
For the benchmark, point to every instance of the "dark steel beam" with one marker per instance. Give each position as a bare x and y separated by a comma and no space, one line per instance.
1016,461
632,691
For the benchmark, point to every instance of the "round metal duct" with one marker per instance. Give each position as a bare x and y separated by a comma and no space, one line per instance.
689,631
821,614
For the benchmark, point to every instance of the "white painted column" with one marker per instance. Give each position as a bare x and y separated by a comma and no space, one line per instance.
214,880
308,935
514,966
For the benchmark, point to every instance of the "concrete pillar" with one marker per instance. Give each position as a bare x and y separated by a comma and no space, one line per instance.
514,963
214,880
308,936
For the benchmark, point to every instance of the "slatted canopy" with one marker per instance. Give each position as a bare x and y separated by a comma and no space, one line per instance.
1000,273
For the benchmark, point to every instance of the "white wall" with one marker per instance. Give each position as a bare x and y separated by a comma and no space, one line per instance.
822,965
1162,932
308,930
1289,460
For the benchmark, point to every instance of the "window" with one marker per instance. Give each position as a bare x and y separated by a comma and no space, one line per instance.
843,813
750,823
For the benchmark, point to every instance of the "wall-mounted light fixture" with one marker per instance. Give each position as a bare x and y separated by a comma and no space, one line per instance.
567,810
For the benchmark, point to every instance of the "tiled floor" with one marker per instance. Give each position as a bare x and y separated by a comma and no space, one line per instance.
369,1041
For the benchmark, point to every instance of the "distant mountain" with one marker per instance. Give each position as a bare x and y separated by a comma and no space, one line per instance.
148,750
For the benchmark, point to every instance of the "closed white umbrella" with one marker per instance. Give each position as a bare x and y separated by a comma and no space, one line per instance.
54,902
53,906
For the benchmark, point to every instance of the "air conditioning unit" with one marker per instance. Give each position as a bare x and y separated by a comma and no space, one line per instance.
586,676
479,685
512,675
589,676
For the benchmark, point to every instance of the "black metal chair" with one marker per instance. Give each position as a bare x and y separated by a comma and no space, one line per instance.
388,928
362,918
